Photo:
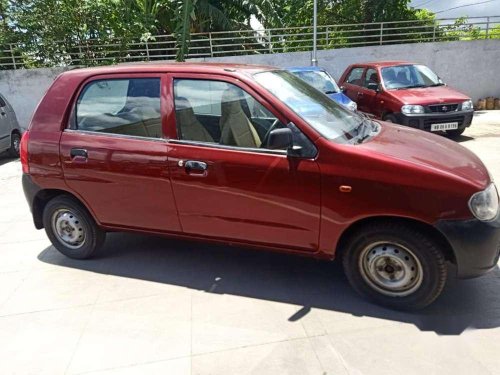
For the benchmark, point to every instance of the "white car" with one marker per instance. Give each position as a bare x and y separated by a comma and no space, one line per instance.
10,132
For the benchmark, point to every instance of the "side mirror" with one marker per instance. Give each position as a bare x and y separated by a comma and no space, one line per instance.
280,139
342,88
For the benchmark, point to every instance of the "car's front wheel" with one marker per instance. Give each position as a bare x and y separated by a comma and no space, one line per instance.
395,265
390,118
71,229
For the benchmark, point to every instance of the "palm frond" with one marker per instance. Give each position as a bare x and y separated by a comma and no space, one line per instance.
185,13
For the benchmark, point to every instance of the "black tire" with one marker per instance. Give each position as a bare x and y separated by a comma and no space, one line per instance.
65,209
15,141
391,118
428,259
455,133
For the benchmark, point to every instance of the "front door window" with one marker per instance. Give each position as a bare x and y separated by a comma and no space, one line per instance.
222,113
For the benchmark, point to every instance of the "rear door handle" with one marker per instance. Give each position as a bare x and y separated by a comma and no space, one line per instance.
194,165
78,154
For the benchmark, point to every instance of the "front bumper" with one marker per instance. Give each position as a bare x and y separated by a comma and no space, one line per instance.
424,121
475,243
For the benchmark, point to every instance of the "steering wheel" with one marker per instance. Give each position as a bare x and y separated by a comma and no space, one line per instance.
265,141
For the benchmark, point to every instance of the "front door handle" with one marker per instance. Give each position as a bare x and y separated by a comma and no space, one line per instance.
78,155
194,165
360,94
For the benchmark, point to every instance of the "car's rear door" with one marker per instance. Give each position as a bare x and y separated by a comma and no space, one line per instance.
114,155
353,81
237,191
5,127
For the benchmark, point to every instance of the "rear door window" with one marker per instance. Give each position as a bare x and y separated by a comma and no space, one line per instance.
354,77
120,106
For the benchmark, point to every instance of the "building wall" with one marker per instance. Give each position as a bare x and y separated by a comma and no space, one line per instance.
470,67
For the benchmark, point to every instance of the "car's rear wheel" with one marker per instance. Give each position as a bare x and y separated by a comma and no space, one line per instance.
15,142
395,265
71,228
455,133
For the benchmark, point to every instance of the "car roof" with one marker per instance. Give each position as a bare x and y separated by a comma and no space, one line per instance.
153,67
304,69
382,64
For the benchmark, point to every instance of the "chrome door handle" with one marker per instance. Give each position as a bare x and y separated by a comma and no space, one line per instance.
78,152
78,155
194,165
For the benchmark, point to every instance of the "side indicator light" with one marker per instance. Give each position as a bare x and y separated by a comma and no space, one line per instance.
345,188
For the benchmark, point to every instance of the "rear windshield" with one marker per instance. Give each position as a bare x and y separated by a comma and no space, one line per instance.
319,79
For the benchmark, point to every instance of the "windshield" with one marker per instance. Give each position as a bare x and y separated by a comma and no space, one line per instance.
330,119
320,80
409,76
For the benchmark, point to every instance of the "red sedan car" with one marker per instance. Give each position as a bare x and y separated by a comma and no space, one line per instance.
253,155
407,94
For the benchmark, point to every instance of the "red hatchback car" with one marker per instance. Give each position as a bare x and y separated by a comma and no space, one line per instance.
407,94
253,155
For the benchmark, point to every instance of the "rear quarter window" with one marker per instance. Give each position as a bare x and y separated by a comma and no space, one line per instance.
120,106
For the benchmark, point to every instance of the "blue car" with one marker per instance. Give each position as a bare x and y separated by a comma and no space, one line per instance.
323,81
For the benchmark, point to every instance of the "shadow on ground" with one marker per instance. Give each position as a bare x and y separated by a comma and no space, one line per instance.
5,158
276,277
463,138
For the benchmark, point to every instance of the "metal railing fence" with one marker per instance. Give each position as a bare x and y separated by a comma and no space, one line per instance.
244,42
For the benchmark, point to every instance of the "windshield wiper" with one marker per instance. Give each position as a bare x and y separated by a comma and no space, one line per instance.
330,92
437,84
364,129
415,86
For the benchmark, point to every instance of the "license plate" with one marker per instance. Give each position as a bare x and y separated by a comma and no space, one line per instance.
444,126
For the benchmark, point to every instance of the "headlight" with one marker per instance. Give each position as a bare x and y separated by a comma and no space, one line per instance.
484,204
467,105
409,109
352,106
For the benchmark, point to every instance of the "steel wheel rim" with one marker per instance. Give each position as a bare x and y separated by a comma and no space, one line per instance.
68,228
391,269
16,142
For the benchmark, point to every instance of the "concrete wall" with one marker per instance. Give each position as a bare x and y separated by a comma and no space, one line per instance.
471,67
24,89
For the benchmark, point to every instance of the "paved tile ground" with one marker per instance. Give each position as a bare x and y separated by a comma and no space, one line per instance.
151,305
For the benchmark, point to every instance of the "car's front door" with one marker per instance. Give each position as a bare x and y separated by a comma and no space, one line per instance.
226,183
114,155
368,94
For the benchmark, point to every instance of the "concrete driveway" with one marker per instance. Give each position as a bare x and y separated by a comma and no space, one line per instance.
151,305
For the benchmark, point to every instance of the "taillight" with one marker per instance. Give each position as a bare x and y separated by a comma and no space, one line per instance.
23,152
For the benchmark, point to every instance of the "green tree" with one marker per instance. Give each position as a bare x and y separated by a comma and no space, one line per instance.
88,32
198,16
